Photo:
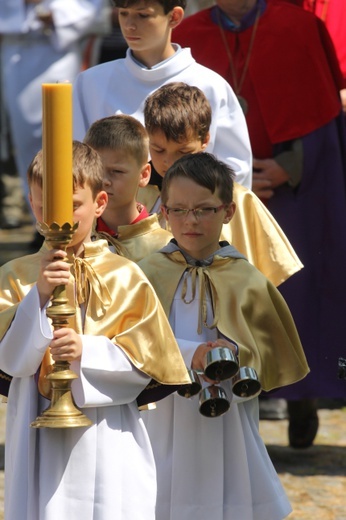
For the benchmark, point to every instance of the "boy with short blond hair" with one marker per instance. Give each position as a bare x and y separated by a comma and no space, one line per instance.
216,467
117,342
152,60
123,145
177,117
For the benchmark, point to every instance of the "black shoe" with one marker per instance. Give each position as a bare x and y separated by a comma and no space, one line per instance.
303,423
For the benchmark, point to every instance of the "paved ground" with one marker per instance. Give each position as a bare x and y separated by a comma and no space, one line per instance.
314,479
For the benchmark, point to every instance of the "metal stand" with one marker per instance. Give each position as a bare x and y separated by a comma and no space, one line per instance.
62,412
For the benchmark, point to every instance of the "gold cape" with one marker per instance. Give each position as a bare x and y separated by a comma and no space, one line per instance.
136,241
119,304
247,308
253,231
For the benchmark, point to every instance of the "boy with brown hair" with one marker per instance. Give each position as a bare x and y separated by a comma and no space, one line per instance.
177,117
216,467
123,145
121,86
117,342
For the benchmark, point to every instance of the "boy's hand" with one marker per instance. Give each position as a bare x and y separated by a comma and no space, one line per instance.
66,345
54,271
221,342
198,359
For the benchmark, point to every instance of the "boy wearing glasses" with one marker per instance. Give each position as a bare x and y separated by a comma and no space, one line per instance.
178,118
216,467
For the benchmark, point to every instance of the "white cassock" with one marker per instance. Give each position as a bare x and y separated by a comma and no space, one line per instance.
31,56
121,87
210,468
104,472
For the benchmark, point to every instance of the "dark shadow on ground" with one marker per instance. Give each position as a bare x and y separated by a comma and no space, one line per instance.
317,460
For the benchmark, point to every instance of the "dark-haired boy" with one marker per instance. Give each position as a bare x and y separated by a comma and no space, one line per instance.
216,467
177,117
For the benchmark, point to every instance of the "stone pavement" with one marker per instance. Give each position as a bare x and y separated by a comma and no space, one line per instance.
314,479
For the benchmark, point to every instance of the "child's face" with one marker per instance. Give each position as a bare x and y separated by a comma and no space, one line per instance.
146,28
122,177
165,152
35,198
199,237
85,210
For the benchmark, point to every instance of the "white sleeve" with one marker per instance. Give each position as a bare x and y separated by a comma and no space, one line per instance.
232,142
73,20
25,342
187,349
106,375
80,121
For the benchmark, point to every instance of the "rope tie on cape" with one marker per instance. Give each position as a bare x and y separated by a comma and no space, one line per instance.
86,280
113,241
205,286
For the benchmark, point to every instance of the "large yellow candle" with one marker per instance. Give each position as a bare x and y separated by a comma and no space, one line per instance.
57,153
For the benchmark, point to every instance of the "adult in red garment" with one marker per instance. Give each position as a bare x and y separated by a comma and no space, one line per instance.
333,14
281,62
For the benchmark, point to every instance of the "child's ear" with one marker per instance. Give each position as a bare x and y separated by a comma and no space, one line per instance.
164,211
101,203
145,176
206,141
230,210
176,16
30,201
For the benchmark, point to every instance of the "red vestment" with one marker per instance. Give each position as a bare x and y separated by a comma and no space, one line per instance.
307,97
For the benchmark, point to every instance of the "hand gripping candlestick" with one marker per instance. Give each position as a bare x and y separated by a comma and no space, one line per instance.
58,229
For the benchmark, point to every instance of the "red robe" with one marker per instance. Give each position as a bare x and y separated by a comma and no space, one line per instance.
333,13
308,97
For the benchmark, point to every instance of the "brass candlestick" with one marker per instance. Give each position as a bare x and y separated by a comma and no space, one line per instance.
62,412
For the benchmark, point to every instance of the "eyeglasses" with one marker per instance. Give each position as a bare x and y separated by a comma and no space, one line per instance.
198,213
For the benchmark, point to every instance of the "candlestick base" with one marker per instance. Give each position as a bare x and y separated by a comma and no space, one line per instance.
62,412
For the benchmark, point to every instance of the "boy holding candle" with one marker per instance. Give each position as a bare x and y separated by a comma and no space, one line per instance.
123,145
121,86
216,467
178,117
117,342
